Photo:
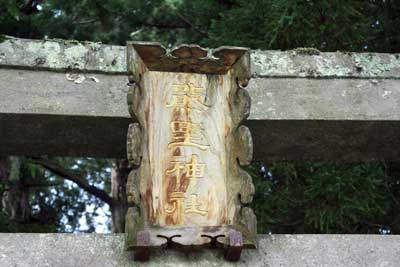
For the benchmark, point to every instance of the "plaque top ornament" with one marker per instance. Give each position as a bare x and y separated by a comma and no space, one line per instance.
189,58
188,188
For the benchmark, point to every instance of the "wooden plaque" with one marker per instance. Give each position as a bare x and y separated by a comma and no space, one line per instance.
187,147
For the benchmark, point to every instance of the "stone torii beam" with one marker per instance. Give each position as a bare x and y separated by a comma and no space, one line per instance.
67,98
96,250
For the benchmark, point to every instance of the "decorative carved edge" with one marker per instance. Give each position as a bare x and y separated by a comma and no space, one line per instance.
134,145
143,57
135,65
134,219
241,186
183,58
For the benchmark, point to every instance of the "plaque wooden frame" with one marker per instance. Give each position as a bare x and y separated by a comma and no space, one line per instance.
187,146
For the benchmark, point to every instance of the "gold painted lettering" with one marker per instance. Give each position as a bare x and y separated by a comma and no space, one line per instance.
194,206
194,169
188,97
186,133
177,199
179,163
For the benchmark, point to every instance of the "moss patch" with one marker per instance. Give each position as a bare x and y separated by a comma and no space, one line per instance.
309,51
3,38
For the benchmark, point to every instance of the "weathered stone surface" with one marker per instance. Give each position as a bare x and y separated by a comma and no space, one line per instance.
61,55
324,99
353,115
95,250
310,63
350,119
42,92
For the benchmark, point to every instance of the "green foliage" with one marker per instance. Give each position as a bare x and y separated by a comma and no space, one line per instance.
66,202
9,226
327,25
54,204
326,198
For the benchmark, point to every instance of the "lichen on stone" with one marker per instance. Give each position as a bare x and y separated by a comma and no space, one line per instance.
272,63
374,65
278,63
310,51
94,46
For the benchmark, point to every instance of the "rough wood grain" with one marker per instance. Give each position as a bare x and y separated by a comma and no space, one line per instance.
187,58
134,145
192,142
176,141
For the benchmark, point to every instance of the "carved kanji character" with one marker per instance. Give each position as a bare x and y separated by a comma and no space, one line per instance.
185,133
179,163
194,206
177,199
187,97
194,169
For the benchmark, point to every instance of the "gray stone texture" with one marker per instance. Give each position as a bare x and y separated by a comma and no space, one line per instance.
96,250
62,55
305,104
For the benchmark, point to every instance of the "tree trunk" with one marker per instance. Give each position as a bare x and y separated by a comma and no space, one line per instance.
119,176
15,197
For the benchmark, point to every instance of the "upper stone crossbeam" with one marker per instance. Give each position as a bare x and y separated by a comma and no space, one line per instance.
56,96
